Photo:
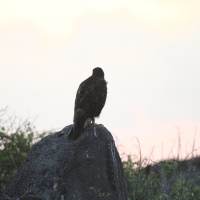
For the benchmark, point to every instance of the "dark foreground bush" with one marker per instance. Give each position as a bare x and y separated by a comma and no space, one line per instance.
17,136
165,180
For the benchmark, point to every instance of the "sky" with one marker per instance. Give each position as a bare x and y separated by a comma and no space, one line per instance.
148,49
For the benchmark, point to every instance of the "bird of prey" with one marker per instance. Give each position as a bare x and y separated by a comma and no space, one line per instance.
90,99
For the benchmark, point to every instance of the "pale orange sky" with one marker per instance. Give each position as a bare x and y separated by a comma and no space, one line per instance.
148,49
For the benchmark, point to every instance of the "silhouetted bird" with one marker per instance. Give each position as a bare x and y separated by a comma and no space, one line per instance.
90,99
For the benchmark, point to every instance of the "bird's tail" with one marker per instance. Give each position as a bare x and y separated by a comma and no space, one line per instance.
76,131
78,128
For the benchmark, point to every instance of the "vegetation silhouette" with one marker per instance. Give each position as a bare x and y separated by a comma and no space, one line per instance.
171,179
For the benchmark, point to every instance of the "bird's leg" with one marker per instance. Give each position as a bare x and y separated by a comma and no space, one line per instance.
90,122
93,121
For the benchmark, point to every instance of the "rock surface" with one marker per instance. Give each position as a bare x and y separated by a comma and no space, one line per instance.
56,169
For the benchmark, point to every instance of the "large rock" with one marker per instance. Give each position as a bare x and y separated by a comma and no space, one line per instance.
86,169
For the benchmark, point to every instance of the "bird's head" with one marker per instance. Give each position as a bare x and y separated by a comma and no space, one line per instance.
98,72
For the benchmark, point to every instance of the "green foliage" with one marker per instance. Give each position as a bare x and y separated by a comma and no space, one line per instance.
161,181
16,139
134,175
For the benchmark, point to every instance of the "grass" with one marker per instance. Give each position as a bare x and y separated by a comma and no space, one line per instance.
171,179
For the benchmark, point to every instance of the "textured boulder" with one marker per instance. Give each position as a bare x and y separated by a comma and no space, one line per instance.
86,169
